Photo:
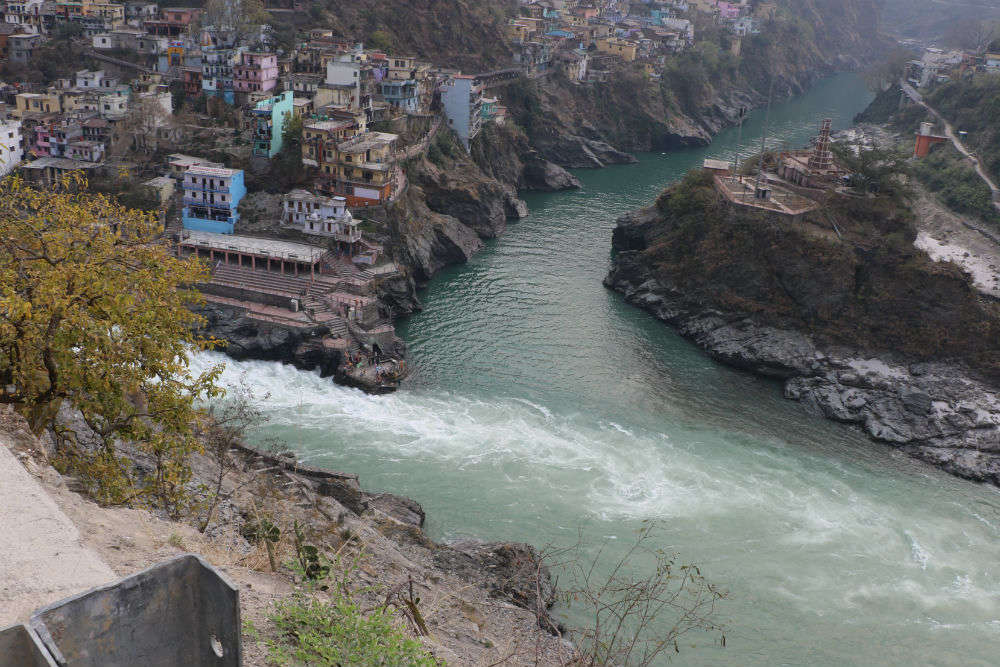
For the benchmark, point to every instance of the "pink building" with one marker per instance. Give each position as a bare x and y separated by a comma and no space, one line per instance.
728,10
39,144
255,72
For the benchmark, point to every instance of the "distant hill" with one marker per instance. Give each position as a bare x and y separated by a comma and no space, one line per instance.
935,20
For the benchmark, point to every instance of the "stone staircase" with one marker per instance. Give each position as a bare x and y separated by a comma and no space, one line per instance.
259,281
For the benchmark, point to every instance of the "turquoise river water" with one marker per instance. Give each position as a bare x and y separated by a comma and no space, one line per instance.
542,407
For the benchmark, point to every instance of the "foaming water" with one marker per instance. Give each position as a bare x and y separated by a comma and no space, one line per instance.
542,407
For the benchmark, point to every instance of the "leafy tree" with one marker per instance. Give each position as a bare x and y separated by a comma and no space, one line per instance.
236,20
380,40
875,171
287,170
94,317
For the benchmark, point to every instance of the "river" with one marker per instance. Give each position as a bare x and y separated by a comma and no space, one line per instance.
543,407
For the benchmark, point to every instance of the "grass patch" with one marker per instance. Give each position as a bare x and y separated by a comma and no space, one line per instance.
337,632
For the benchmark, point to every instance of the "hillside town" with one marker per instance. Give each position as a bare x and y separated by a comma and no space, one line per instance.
191,112
185,111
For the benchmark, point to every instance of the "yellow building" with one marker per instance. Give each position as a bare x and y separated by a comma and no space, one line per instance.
625,50
26,103
105,10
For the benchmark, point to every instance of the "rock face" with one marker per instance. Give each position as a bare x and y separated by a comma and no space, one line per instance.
247,338
504,153
933,411
933,406
510,571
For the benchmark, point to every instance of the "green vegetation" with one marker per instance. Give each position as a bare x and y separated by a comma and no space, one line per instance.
337,632
70,336
973,106
949,175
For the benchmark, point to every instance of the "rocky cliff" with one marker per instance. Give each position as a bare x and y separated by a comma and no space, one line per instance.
859,325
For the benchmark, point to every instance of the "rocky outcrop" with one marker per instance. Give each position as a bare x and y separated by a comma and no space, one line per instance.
503,152
510,571
247,338
936,412
426,241
861,328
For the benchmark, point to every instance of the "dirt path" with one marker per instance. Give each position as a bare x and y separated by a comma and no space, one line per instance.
946,236
959,146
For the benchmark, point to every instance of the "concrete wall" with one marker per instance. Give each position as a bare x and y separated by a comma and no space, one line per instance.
180,612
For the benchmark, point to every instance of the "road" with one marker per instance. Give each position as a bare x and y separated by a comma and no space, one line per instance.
42,557
949,132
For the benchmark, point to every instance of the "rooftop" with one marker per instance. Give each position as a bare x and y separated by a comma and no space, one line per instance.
254,246
219,172
367,141
60,163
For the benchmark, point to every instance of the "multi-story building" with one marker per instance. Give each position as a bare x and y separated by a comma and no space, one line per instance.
304,85
255,72
402,94
25,14
319,148
172,22
211,198
400,68
89,79
217,72
191,80
62,136
88,151
114,105
462,97
11,151
37,103
268,119
21,47
366,169
346,74
328,217
96,129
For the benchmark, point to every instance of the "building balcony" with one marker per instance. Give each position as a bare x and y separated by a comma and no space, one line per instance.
207,214
195,187
222,206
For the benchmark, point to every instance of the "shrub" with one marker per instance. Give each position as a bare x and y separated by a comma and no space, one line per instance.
328,634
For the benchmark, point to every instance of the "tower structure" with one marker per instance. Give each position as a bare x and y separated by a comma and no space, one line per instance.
822,157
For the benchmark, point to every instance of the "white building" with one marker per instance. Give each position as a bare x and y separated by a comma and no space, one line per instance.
114,105
88,79
10,146
462,97
321,216
345,73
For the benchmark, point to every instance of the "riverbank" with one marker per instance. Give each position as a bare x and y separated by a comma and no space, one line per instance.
857,326
478,600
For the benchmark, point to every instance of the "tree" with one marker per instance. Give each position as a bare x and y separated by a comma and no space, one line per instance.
641,609
973,34
94,317
875,171
286,171
234,20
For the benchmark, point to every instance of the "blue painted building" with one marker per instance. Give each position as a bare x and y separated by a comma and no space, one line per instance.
270,117
211,198
462,97
404,95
